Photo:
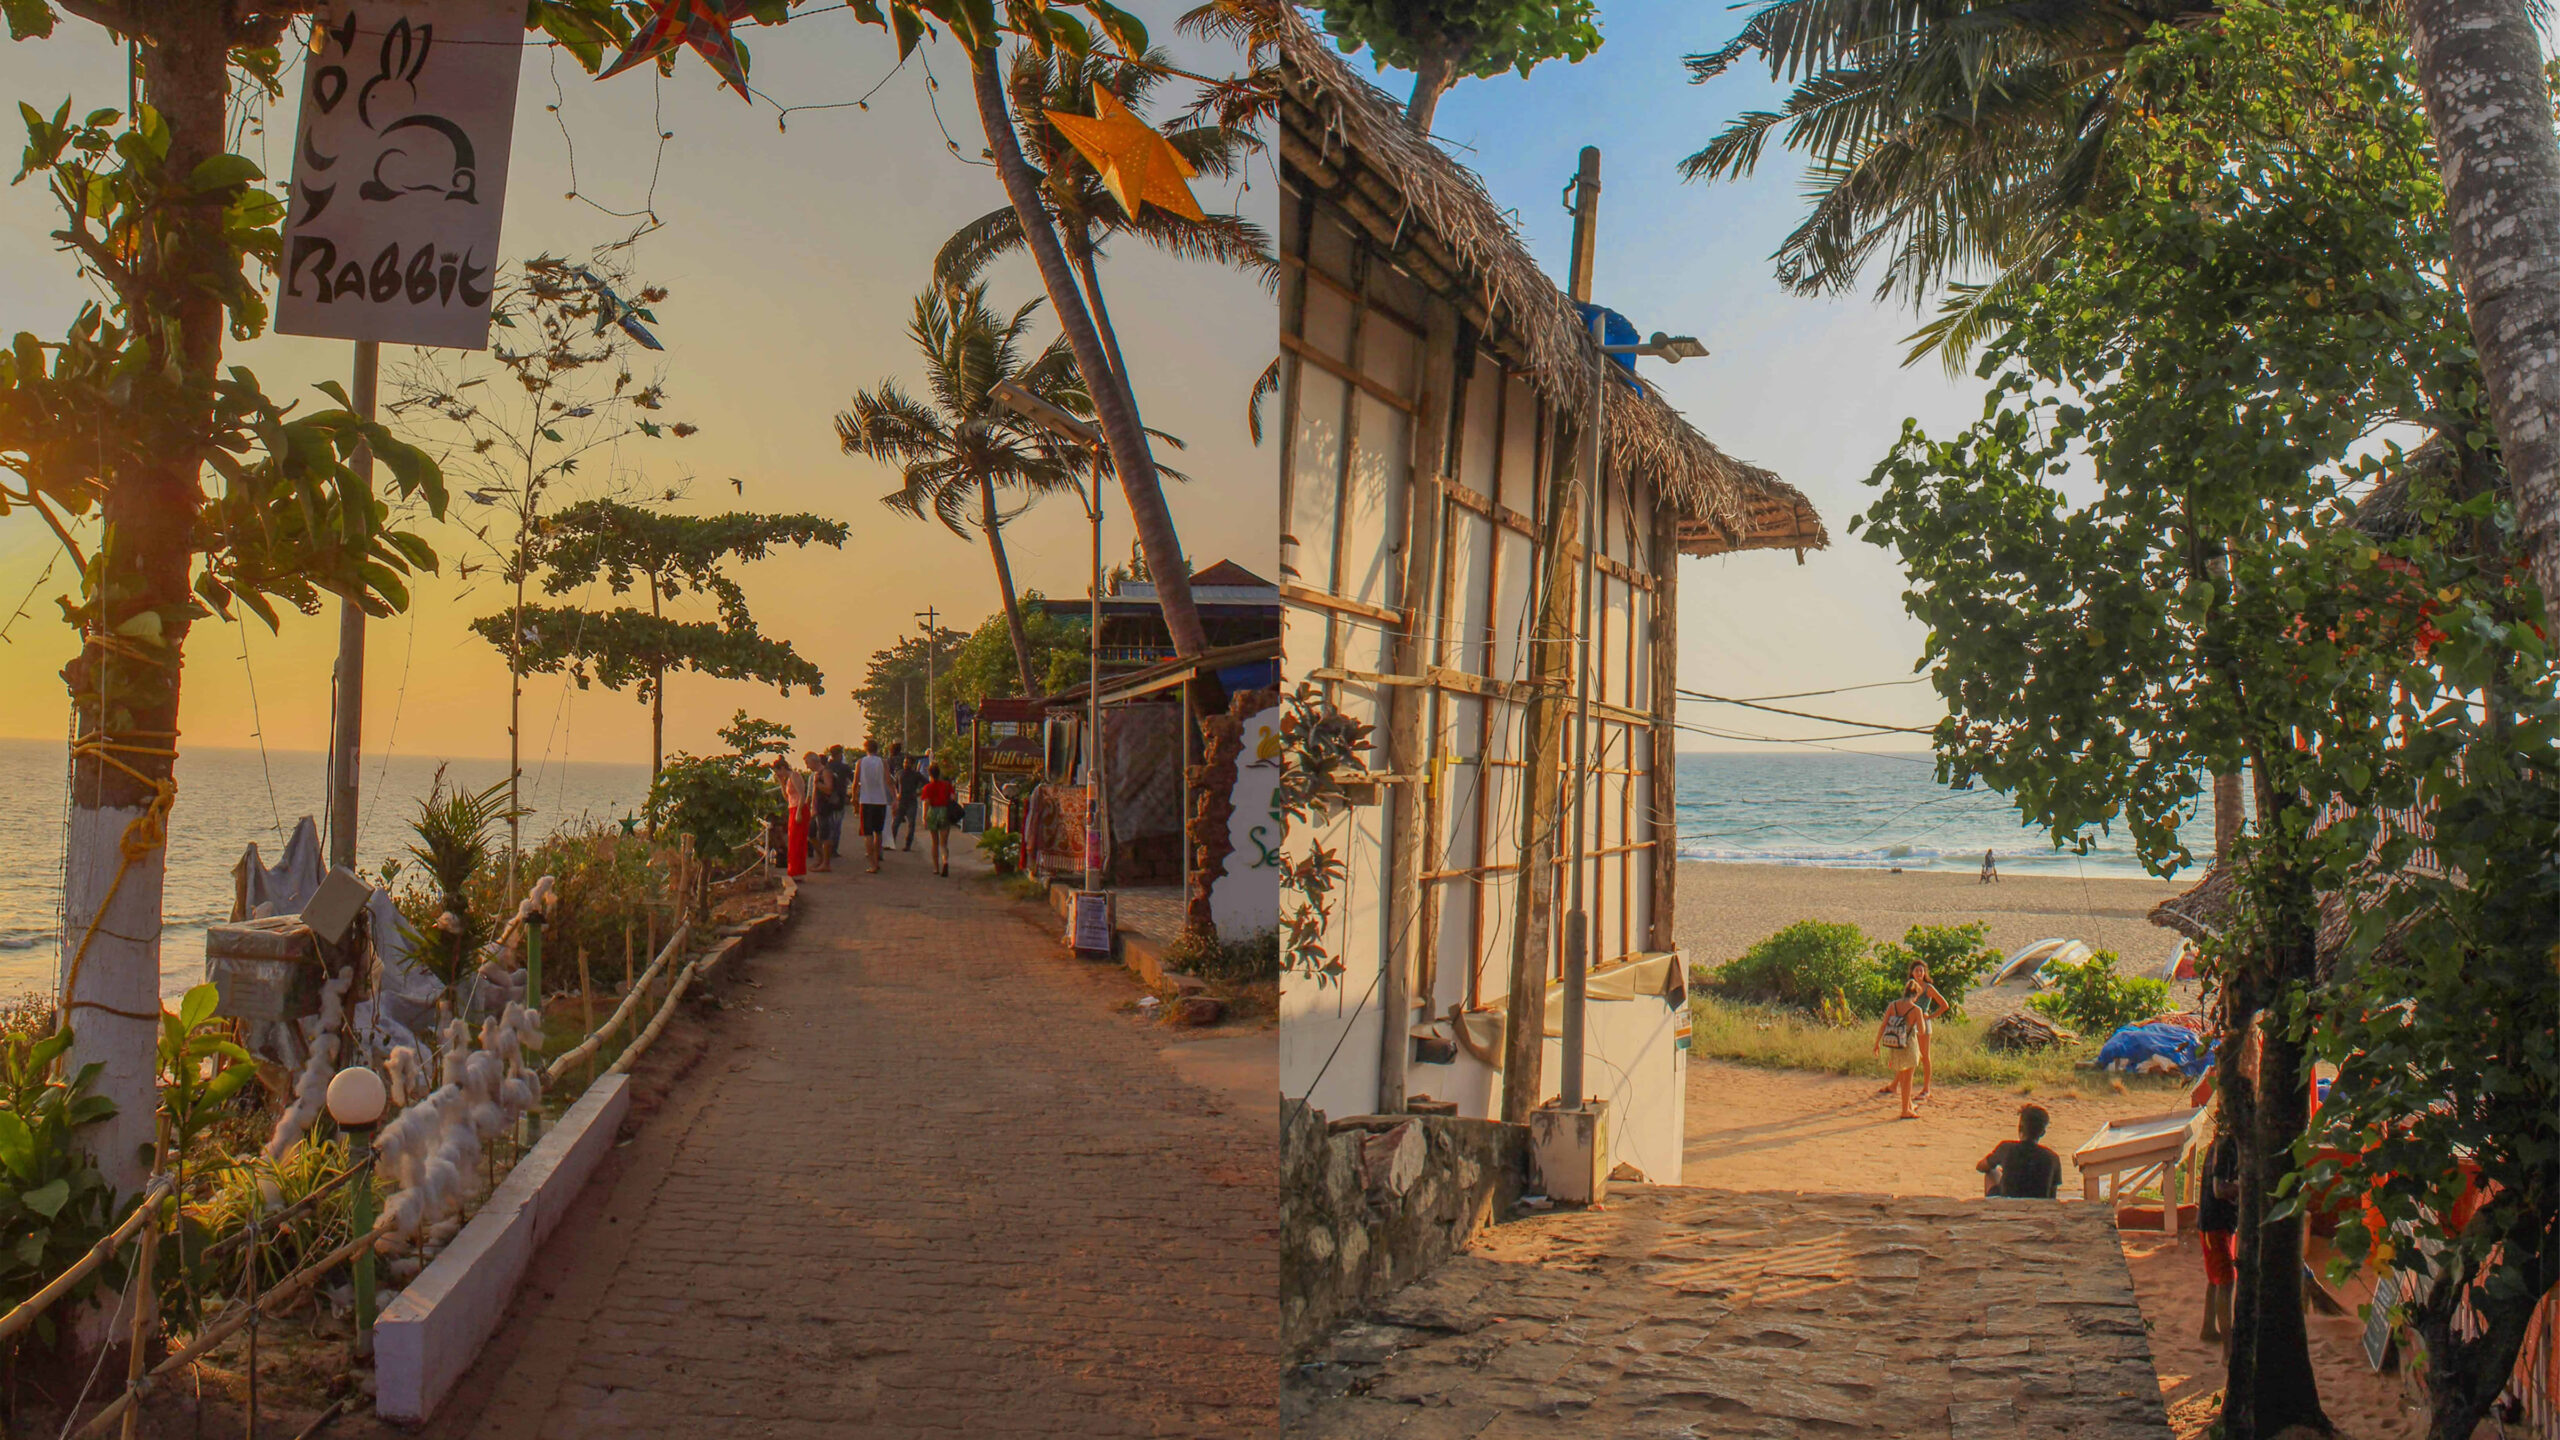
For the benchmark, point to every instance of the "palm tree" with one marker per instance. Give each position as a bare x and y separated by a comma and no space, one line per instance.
1085,213
956,452
1943,139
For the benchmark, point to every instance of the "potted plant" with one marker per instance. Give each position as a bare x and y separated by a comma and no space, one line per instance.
1001,847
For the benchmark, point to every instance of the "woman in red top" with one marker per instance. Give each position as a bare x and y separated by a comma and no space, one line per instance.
941,812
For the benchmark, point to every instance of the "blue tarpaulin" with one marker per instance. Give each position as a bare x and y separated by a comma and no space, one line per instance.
1615,329
2135,1047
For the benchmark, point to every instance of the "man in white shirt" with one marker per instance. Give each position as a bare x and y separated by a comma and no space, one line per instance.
873,791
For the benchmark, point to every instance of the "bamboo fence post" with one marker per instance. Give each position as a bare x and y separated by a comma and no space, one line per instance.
34,1305
230,1322
586,1002
144,1295
626,950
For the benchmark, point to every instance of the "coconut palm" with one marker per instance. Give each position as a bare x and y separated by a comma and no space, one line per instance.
1086,215
956,451
1943,139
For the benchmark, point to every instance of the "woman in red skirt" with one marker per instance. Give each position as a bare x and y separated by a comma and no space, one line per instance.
795,795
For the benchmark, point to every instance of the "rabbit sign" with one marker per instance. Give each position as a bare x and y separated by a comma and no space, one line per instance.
400,171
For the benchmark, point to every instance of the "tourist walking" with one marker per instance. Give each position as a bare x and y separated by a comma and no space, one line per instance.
911,780
829,805
795,808
1898,1039
1932,1005
941,813
872,791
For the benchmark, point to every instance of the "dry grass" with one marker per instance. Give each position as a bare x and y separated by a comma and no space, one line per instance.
1791,1040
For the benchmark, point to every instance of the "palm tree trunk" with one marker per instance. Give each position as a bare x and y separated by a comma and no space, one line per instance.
1081,243
2228,814
1004,582
657,700
127,696
1113,405
2480,66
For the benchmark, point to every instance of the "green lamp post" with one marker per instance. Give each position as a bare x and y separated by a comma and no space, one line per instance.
356,1101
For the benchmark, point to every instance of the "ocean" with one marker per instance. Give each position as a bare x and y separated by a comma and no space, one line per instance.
1876,812
228,799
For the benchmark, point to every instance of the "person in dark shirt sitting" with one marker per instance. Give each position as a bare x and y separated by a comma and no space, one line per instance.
2023,1169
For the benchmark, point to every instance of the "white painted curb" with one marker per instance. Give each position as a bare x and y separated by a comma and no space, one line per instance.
428,1336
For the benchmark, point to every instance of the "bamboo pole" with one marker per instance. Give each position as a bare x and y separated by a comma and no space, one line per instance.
666,1012
34,1305
229,1321
622,1012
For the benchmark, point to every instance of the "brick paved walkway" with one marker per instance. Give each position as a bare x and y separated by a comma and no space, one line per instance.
926,1181
1689,1313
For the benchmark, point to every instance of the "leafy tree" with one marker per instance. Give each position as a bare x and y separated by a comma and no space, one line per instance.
972,670
512,445
2095,999
1083,209
106,436
722,801
1804,965
958,451
1443,43
895,684
1955,954
633,547
2213,354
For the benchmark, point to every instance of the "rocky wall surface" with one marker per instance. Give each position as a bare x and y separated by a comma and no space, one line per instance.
1371,1203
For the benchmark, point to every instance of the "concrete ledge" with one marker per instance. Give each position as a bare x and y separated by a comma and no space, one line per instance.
1141,952
429,1335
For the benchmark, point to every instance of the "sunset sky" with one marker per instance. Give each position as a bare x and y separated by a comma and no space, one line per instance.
792,257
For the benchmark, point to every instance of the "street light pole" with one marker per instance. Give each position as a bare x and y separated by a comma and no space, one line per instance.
932,642
1061,423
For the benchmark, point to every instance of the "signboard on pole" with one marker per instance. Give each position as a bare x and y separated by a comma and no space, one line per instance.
400,171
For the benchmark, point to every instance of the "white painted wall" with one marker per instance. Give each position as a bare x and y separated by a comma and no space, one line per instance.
1244,899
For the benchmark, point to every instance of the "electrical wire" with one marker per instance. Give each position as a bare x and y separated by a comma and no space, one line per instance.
1876,726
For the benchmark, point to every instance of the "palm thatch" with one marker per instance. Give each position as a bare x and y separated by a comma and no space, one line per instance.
1350,140
2205,910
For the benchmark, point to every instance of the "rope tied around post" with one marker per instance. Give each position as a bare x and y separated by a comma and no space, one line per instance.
144,835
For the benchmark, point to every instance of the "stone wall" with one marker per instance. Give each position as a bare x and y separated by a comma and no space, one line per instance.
1371,1203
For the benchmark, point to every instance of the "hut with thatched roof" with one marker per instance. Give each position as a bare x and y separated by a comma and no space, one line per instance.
1435,387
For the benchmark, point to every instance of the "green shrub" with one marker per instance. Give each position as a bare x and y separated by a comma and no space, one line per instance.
1956,955
1806,964
2092,998
1251,960
54,1205
999,846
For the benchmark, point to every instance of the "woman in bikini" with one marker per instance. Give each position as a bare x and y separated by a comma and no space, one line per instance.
1898,1040
1931,1005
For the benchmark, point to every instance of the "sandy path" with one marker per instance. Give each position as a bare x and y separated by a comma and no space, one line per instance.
1757,1129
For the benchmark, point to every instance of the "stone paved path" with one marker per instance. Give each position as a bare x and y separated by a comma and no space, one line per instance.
1688,1312
925,1182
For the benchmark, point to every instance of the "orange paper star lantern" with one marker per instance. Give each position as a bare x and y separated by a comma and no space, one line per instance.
1137,165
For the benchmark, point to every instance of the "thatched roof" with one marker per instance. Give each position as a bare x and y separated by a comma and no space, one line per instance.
2205,909
1351,140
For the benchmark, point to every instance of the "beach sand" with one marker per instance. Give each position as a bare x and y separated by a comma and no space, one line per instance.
1725,909
1760,1129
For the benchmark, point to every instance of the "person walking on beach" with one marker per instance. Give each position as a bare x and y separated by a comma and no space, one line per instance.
1990,872
872,791
1932,1005
941,812
2024,1168
910,791
1898,1039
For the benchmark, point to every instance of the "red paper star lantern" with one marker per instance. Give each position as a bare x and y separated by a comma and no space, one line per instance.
701,24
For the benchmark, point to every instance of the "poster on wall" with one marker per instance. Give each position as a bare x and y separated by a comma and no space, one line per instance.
400,171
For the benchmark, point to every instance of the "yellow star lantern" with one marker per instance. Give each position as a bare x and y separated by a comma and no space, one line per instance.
1138,166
